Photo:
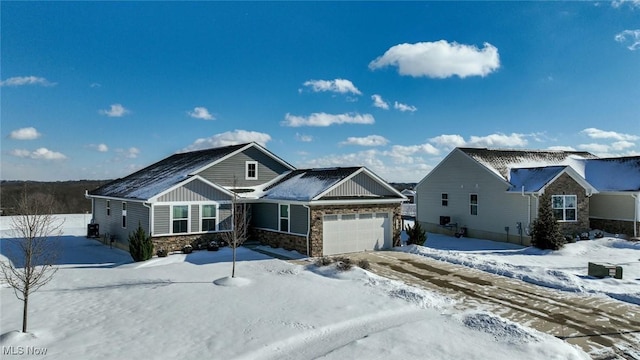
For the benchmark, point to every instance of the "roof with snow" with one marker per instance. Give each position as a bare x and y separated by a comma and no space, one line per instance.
306,184
152,180
533,169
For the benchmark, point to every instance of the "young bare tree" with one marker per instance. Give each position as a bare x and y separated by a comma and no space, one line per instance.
239,227
34,250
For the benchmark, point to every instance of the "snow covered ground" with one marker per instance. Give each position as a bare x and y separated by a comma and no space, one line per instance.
565,269
101,305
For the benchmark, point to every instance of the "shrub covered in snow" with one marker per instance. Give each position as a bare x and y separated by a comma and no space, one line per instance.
162,253
364,264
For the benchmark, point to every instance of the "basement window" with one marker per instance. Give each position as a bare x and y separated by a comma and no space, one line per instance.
565,207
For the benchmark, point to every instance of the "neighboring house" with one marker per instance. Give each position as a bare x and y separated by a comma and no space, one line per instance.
410,195
495,194
188,195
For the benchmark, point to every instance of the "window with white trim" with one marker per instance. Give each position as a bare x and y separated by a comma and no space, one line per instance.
473,204
108,207
209,217
124,215
445,199
251,170
180,219
565,207
283,214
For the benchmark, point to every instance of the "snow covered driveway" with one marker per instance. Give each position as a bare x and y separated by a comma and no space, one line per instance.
590,321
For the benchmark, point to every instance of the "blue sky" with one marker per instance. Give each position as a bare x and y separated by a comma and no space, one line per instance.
97,90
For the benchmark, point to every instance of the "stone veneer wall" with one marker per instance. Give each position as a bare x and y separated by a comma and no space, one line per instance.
283,240
177,242
615,226
565,185
318,212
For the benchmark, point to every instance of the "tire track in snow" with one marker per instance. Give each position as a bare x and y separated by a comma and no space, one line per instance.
317,342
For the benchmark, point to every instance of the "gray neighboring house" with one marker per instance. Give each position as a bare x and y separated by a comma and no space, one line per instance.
495,194
189,195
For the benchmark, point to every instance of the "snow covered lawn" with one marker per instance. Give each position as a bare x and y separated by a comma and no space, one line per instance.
100,305
565,269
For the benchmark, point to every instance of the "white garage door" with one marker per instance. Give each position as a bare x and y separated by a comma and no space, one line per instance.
355,232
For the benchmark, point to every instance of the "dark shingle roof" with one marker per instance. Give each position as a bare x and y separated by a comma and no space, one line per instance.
306,184
154,179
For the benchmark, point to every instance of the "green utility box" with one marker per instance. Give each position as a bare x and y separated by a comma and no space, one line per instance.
603,270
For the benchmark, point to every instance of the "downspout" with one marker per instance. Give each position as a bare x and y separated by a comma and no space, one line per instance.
635,215
148,206
308,226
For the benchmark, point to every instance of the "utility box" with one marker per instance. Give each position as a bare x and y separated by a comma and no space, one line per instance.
603,270
93,230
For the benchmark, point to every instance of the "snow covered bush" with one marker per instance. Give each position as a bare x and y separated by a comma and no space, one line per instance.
343,263
545,232
323,261
162,253
140,245
364,264
187,249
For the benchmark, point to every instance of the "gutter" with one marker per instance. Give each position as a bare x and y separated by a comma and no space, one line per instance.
635,214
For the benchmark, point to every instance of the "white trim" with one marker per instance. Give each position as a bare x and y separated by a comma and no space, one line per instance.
280,218
477,204
217,217
247,164
123,219
171,219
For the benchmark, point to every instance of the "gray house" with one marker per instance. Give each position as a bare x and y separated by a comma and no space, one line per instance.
188,195
495,194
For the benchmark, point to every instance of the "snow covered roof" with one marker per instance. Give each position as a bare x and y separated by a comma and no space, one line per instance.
533,169
155,178
306,184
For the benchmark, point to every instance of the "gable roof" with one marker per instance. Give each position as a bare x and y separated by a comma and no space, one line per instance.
312,184
502,161
533,169
169,172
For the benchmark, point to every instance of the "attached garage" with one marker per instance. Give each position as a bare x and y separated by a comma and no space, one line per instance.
345,233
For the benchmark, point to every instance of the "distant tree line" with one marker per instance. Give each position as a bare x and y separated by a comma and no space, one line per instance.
68,196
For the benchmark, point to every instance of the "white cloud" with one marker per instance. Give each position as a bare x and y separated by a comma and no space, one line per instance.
602,134
404,107
200,112
38,154
379,102
95,85
492,140
371,140
116,110
619,3
100,147
304,138
621,145
440,59
561,148
28,133
341,86
324,119
632,35
594,148
229,138
26,80
448,141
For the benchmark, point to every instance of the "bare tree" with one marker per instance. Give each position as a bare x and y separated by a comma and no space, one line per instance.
34,249
239,223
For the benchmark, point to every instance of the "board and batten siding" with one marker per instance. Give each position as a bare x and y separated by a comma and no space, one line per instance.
360,185
233,168
298,219
459,176
612,206
195,190
265,216
137,213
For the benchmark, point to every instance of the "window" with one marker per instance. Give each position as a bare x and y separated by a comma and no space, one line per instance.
445,199
108,207
473,204
284,218
564,207
251,170
124,214
209,217
180,219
